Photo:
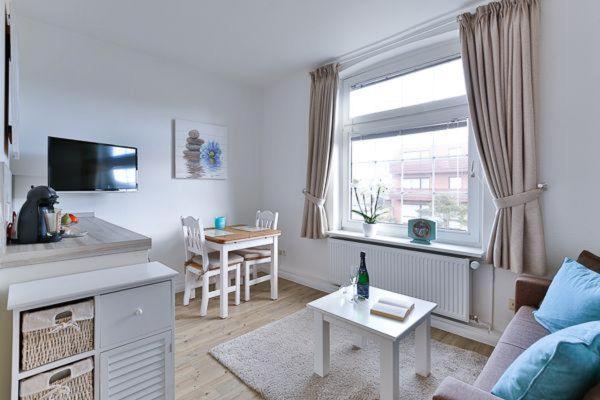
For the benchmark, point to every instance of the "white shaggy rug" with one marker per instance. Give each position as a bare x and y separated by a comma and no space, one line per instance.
277,361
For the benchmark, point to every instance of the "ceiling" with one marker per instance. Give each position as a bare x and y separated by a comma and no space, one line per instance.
252,41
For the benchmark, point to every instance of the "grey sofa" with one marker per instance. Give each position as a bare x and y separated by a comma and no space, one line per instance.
521,332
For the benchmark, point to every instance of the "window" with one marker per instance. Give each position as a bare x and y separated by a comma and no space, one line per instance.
414,155
124,175
381,159
121,151
409,132
438,82
455,182
455,151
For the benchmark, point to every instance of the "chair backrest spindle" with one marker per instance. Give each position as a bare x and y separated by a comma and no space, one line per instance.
194,240
267,219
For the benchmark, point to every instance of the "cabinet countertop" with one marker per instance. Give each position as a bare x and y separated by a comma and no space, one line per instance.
102,238
68,287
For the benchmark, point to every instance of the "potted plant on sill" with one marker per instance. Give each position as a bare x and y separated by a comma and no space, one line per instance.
370,210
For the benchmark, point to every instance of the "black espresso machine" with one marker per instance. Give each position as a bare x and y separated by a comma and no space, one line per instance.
32,225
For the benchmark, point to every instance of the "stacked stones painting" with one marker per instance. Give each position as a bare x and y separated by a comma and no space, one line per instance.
200,150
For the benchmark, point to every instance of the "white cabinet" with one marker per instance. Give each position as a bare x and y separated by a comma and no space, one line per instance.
134,328
139,370
131,313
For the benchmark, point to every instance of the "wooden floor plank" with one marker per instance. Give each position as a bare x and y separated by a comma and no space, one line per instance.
199,376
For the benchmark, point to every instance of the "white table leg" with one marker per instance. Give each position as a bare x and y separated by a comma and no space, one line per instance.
321,343
389,369
360,341
423,347
224,283
274,268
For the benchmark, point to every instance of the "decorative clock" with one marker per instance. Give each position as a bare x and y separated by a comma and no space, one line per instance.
421,230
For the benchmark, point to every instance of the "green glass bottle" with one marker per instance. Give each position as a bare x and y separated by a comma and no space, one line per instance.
362,284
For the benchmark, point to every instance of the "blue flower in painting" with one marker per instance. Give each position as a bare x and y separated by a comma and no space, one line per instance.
210,154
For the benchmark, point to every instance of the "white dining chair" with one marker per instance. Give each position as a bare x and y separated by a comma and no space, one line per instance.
255,256
201,266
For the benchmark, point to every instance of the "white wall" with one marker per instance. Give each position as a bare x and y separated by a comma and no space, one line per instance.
283,170
569,139
74,86
5,188
568,147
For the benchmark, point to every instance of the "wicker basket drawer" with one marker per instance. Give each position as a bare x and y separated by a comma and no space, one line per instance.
54,333
73,382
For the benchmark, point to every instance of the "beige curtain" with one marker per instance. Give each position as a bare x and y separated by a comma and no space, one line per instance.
323,96
499,45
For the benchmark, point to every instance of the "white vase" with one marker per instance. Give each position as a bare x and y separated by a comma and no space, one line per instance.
369,230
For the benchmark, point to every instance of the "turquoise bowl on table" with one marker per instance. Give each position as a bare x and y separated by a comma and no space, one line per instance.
220,223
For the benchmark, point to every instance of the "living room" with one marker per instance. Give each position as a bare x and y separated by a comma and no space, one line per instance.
452,142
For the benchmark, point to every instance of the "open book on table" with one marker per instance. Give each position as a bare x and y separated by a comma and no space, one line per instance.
396,308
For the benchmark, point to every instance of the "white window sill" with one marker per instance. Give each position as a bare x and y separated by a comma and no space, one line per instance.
434,247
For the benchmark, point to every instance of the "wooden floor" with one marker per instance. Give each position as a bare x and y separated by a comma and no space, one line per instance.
199,376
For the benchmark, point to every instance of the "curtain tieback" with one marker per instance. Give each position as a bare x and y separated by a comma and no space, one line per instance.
518,199
317,201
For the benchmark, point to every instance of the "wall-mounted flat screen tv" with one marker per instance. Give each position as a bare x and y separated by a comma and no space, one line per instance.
78,166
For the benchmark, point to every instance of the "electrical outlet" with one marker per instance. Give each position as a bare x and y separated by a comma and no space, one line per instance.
511,304
282,252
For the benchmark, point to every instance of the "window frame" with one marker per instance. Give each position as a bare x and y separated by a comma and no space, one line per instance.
415,116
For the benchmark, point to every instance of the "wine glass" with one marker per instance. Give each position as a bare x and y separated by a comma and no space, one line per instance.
353,279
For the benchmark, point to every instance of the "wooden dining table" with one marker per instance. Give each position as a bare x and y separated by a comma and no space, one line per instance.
233,238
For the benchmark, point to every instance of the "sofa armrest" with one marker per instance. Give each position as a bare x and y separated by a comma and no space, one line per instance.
453,389
530,291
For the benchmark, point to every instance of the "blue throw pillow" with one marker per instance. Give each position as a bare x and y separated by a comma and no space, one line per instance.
561,366
572,298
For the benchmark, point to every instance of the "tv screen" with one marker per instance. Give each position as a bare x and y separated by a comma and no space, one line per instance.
78,166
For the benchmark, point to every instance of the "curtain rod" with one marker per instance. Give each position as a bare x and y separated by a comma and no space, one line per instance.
423,30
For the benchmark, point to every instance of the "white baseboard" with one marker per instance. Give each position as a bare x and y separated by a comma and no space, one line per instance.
314,283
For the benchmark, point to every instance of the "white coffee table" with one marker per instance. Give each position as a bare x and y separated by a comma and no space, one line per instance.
337,309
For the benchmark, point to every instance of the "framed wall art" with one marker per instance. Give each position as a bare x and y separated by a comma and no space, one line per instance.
200,150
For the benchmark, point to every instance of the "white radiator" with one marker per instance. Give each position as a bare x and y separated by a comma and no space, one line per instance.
442,279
